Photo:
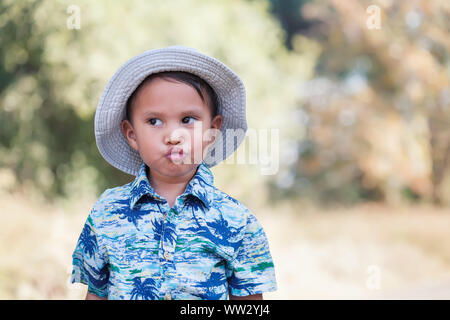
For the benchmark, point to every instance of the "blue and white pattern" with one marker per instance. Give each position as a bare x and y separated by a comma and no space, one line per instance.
207,246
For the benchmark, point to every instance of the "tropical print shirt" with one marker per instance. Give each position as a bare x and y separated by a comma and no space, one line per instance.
208,245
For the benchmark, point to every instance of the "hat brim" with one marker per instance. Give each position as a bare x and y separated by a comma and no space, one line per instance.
111,109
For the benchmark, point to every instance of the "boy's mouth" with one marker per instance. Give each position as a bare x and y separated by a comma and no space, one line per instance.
175,153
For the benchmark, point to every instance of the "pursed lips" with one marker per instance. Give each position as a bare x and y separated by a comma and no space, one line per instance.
175,153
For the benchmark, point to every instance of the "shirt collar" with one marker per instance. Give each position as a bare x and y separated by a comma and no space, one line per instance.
201,186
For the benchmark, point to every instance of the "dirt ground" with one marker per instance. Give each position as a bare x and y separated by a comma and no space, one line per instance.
363,252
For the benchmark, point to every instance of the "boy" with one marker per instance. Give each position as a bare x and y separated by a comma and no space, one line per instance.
170,233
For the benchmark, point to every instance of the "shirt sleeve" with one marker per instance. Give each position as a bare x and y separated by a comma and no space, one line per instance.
90,266
252,270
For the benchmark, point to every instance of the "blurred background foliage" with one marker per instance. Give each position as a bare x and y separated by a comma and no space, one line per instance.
375,115
363,113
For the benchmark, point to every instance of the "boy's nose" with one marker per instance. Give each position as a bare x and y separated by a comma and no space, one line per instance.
174,140
177,136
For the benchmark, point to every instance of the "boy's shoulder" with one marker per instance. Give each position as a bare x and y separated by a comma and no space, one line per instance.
111,200
224,198
229,208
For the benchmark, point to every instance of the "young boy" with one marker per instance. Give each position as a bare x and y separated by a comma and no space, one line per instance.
170,233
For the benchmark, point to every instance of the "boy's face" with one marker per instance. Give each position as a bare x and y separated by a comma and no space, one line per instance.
164,115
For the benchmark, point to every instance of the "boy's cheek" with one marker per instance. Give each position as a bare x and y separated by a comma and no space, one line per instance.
196,148
196,151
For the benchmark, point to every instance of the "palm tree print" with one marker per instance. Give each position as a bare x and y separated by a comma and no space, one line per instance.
193,203
223,229
144,290
88,240
99,278
201,189
132,215
243,284
216,280
220,226
157,229
225,233
167,230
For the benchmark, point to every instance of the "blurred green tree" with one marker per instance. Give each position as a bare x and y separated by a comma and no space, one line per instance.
288,12
51,78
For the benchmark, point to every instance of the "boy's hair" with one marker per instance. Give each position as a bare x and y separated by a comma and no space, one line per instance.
200,85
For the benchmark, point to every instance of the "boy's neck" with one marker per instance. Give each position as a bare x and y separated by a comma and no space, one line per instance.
168,189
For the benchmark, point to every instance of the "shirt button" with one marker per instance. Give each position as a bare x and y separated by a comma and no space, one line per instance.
167,296
167,255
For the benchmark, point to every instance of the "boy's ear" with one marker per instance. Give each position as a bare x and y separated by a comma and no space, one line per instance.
128,132
216,123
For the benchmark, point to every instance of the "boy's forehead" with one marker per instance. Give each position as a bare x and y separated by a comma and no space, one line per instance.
171,111
166,97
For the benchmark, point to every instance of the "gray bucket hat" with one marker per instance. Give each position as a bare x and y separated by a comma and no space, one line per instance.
111,109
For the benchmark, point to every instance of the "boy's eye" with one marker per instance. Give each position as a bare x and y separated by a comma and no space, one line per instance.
187,121
153,121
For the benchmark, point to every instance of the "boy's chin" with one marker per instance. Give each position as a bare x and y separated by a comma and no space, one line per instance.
182,164
177,170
